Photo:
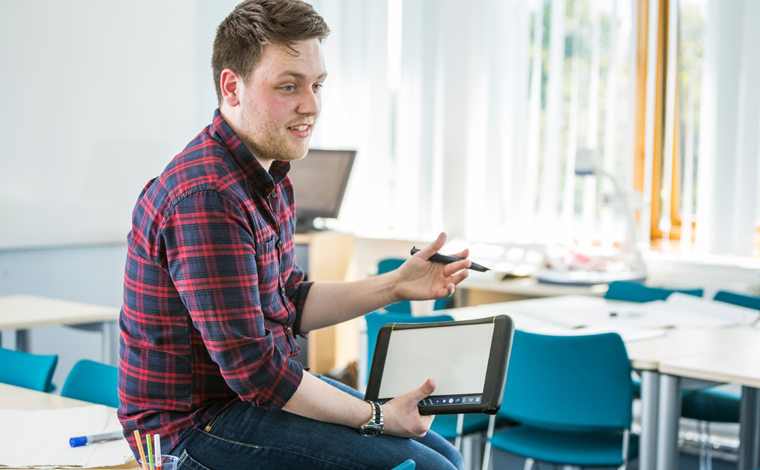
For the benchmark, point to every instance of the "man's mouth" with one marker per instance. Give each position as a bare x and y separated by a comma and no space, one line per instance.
299,128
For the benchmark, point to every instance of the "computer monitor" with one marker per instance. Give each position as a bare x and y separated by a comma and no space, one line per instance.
319,182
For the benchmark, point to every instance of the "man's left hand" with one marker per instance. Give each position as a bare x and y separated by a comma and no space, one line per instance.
420,279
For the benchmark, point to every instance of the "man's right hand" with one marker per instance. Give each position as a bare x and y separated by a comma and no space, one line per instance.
402,417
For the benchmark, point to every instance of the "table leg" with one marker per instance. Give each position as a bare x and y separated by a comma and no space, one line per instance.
749,429
668,422
650,383
22,340
110,351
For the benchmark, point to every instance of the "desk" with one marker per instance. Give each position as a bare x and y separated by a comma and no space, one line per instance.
24,399
480,291
731,357
21,312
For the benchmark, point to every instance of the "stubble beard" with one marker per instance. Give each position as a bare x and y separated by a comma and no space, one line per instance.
267,141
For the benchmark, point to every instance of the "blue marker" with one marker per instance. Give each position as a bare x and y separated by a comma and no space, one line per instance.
95,438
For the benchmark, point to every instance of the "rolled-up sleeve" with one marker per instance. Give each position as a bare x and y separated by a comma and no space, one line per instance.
211,258
297,290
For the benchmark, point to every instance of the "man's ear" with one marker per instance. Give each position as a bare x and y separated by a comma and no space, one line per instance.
231,86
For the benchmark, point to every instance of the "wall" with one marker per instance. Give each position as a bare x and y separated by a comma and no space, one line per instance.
95,99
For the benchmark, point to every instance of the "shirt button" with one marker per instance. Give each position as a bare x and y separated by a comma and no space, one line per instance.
282,291
288,330
279,243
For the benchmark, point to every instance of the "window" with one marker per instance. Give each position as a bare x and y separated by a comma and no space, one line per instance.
698,123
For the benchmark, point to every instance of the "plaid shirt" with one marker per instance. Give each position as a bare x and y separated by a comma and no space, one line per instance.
212,296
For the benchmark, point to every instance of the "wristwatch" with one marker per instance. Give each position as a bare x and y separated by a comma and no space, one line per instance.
375,425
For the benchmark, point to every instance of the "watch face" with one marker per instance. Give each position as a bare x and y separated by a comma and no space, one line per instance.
370,431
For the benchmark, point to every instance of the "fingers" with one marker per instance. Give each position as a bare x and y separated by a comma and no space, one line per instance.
456,266
431,249
463,254
459,277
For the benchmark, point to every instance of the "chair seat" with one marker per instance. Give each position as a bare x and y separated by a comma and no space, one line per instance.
712,404
584,449
407,465
446,425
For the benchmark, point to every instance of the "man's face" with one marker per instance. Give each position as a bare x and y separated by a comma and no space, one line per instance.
281,100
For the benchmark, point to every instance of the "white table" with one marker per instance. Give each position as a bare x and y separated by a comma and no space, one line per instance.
21,312
18,398
730,355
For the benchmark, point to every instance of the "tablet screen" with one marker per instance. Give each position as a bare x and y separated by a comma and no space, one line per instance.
455,357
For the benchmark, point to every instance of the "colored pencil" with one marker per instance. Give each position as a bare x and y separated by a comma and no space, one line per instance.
140,448
150,451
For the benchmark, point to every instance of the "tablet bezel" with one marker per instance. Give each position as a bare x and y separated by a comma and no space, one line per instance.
496,371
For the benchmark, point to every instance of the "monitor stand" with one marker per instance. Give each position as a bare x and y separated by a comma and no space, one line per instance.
306,225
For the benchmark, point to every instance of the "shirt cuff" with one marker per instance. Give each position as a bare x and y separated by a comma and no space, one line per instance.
299,300
289,381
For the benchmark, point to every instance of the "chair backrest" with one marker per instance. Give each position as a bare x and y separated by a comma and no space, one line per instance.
634,292
375,321
27,370
94,382
390,264
738,299
578,383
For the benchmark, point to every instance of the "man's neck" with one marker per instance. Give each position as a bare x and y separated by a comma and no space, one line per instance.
265,163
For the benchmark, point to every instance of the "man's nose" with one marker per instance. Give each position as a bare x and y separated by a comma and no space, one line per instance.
309,104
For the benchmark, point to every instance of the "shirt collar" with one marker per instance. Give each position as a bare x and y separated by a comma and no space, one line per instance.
263,180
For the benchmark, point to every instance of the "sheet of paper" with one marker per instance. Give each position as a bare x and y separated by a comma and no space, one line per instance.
729,312
662,314
572,311
41,438
628,334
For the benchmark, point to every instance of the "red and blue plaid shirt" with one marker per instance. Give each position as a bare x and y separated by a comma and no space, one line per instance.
212,296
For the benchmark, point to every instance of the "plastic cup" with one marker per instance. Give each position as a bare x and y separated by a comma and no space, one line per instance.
168,462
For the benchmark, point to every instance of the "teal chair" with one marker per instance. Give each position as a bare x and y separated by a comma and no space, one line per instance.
451,427
572,396
391,264
741,300
715,404
407,465
27,370
94,382
635,292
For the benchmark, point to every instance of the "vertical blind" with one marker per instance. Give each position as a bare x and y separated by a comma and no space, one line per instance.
467,116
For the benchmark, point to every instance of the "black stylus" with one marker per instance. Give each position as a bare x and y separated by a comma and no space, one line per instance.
439,258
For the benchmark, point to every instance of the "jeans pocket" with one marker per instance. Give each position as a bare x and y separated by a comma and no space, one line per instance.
187,462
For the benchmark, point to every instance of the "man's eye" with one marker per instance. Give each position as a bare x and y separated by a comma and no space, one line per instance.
288,88
317,86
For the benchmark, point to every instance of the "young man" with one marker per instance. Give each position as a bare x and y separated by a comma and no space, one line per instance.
213,298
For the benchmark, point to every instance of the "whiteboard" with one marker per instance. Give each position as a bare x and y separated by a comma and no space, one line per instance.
95,99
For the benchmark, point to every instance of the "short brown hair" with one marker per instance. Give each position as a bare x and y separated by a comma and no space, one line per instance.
241,37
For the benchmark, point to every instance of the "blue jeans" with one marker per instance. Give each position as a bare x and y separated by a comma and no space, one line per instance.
249,437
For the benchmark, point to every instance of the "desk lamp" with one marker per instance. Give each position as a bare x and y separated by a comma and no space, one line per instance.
587,164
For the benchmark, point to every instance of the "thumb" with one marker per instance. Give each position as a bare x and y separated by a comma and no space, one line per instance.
427,388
